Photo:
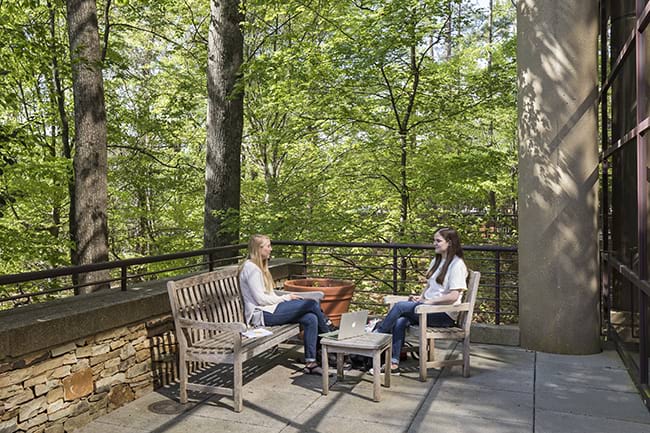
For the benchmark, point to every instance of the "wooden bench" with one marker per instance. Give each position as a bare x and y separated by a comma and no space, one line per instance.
209,319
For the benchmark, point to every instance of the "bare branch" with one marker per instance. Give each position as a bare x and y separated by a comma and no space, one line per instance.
107,28
393,102
150,155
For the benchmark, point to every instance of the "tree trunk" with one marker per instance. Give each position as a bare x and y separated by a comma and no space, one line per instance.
225,123
90,159
448,31
492,195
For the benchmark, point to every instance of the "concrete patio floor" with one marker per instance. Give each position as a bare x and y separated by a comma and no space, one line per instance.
509,390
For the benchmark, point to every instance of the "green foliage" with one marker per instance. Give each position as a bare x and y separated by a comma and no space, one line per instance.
376,77
155,92
336,91
34,172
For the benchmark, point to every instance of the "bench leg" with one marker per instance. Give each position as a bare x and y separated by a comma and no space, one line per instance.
182,372
424,356
237,386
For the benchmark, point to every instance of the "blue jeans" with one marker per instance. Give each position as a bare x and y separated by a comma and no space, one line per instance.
307,312
401,316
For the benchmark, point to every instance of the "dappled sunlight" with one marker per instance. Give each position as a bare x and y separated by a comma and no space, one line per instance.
558,183
280,400
549,79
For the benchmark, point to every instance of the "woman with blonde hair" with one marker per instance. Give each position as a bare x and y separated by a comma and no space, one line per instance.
263,307
446,280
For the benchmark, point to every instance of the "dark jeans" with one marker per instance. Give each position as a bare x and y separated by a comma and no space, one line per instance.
401,316
307,312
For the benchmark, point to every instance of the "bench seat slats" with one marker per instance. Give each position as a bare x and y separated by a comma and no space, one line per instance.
224,342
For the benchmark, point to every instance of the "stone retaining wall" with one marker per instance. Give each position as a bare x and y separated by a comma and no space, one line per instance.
61,389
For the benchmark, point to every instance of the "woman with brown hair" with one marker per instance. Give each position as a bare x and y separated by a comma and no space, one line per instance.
446,280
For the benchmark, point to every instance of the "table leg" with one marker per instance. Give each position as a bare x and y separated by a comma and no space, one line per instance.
325,365
376,368
388,355
339,365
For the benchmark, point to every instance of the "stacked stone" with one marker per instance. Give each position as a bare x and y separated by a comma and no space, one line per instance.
64,388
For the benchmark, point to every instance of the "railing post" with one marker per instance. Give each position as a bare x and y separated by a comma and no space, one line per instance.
497,288
123,278
210,261
394,270
304,260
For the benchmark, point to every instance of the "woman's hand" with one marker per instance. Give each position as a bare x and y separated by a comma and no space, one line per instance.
415,298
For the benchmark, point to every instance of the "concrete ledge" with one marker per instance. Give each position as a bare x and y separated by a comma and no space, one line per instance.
37,327
504,335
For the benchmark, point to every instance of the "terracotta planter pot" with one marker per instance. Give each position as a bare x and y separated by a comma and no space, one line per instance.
338,294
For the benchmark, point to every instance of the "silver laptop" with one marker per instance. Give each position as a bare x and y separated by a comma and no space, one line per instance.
352,324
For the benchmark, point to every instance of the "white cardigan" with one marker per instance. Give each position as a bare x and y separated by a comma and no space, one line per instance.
256,298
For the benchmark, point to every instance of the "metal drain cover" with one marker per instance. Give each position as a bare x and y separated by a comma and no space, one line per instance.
166,407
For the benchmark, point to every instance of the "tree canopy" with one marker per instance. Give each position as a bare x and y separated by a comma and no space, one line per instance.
364,120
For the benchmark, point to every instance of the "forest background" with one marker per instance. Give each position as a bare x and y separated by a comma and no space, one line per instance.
363,121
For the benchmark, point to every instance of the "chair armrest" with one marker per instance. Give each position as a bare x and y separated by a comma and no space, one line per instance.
448,308
213,326
316,295
393,299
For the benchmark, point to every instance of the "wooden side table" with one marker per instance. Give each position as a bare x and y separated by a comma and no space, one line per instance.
369,344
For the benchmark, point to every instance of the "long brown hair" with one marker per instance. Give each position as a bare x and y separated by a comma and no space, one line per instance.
454,249
254,246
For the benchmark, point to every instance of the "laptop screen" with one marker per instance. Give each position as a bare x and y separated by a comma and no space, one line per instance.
352,324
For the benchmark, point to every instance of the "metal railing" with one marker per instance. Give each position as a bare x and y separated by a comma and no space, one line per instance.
376,268
381,268
39,286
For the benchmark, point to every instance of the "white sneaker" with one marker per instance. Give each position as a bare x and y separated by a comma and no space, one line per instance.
393,371
371,325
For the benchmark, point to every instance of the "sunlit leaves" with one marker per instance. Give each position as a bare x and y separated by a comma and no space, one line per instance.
345,93
329,87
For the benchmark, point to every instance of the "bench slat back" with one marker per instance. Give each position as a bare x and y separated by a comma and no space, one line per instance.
209,297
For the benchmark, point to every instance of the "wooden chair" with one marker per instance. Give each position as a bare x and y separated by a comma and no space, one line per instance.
424,337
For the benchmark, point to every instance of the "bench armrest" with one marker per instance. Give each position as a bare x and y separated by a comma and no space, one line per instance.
316,295
425,309
213,326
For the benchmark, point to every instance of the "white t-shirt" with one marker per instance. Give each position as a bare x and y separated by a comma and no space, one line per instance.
455,279
256,298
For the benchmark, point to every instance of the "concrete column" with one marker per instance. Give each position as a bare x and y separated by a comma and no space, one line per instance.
558,175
